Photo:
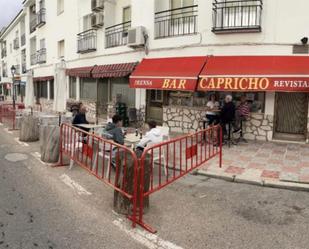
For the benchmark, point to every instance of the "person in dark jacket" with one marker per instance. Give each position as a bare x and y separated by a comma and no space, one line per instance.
80,118
227,113
114,129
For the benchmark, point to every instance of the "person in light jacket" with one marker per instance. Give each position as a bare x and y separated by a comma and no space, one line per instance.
153,136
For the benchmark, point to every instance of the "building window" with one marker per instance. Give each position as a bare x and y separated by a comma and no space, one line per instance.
60,6
40,89
126,14
61,49
88,89
72,88
51,89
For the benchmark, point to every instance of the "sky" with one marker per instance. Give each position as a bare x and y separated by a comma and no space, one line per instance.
8,10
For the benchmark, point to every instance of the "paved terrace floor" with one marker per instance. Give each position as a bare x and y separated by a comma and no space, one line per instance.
258,161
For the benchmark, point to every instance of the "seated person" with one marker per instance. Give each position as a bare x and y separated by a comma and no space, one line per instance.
153,136
80,118
115,131
212,108
242,113
227,113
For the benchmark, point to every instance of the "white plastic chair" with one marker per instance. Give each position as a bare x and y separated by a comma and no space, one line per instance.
157,157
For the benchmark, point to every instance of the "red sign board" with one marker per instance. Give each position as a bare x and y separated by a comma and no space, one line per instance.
164,83
252,84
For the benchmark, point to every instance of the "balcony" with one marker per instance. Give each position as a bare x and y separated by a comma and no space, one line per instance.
23,39
117,35
33,24
237,16
41,18
41,56
176,22
87,41
33,59
3,53
16,43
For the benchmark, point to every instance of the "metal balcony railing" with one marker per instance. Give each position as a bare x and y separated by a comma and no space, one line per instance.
33,59
41,17
176,22
16,43
33,24
117,35
3,53
23,39
87,41
41,56
237,16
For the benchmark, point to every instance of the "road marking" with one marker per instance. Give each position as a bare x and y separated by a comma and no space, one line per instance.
74,185
20,143
149,240
7,131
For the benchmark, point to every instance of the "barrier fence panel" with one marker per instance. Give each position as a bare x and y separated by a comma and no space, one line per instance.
174,159
114,164
8,114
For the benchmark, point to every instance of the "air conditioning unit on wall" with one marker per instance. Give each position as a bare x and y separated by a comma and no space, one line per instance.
136,37
97,20
97,5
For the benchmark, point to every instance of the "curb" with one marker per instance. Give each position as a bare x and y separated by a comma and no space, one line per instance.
256,182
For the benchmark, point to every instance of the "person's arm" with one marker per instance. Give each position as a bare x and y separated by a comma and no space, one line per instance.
144,141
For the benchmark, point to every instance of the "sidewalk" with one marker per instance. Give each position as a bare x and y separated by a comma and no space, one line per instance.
263,163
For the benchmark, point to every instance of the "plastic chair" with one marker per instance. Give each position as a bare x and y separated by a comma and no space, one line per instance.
157,157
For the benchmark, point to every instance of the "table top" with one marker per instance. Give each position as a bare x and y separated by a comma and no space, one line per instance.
132,138
91,126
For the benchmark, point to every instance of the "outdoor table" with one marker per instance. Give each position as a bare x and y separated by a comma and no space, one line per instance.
132,140
91,126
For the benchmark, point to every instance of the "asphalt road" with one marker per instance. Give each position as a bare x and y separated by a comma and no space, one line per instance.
41,208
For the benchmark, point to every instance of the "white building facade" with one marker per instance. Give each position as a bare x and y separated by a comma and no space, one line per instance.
91,37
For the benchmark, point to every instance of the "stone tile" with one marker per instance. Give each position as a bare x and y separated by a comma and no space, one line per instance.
262,155
254,165
292,158
304,171
304,178
270,174
303,164
244,158
289,177
275,161
234,170
290,169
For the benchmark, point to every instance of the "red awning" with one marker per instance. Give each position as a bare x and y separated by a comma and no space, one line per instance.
44,78
179,73
255,73
83,72
113,70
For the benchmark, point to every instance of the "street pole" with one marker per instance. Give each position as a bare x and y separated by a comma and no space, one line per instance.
13,70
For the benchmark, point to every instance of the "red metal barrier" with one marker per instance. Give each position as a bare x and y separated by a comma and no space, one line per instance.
106,160
174,159
168,162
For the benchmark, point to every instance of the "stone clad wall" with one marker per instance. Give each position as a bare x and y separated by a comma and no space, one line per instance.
184,119
259,127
